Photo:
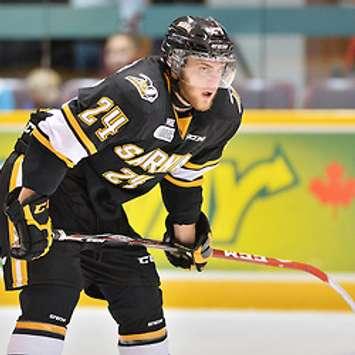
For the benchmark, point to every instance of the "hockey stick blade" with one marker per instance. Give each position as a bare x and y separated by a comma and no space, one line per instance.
119,239
285,264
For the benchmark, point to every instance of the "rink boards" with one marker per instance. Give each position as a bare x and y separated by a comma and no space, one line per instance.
243,290
286,188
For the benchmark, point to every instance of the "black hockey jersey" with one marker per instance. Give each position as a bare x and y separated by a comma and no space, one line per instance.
123,136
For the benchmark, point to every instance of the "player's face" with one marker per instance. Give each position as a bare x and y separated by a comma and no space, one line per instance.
199,81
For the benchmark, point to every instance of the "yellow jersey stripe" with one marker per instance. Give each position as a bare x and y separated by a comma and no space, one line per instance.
41,326
44,141
19,271
184,183
183,125
194,166
157,334
78,130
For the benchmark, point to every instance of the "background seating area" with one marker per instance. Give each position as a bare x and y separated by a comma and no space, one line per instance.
14,93
331,93
255,93
259,93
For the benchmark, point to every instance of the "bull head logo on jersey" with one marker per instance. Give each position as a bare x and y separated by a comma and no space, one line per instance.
145,87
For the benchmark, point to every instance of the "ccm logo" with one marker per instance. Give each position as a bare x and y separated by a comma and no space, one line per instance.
195,137
146,259
245,256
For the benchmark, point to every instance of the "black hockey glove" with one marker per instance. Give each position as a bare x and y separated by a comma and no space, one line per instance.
201,249
32,223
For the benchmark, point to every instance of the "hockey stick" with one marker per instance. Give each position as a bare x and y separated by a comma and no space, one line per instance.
118,239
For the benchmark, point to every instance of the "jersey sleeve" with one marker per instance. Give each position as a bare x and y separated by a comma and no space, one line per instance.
82,127
182,189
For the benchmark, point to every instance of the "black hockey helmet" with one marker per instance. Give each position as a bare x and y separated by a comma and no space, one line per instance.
200,37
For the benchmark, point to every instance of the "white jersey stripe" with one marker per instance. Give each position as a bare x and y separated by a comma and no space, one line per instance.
62,137
189,174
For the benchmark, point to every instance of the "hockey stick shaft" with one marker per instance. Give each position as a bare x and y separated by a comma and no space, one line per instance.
118,239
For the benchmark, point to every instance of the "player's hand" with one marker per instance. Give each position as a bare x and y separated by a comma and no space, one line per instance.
32,223
200,250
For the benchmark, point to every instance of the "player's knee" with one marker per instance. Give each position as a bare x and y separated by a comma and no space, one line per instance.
46,310
138,311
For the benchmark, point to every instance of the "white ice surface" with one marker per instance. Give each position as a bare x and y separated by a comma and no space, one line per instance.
93,332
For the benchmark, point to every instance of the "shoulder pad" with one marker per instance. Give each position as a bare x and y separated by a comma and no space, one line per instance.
235,97
228,103
144,81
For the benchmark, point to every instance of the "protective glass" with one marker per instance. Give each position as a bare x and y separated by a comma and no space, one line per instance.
205,72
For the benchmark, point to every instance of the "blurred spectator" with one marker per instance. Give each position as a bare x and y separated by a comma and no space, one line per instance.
122,49
71,87
337,70
17,56
350,56
129,14
33,1
87,52
43,87
7,100
178,1
331,93
264,93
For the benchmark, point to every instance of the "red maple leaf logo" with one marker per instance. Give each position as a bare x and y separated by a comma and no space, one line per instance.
335,189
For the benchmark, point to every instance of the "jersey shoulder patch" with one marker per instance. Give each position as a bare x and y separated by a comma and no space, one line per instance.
143,81
145,86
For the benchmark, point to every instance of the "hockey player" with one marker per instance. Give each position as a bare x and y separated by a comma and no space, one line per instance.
160,120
